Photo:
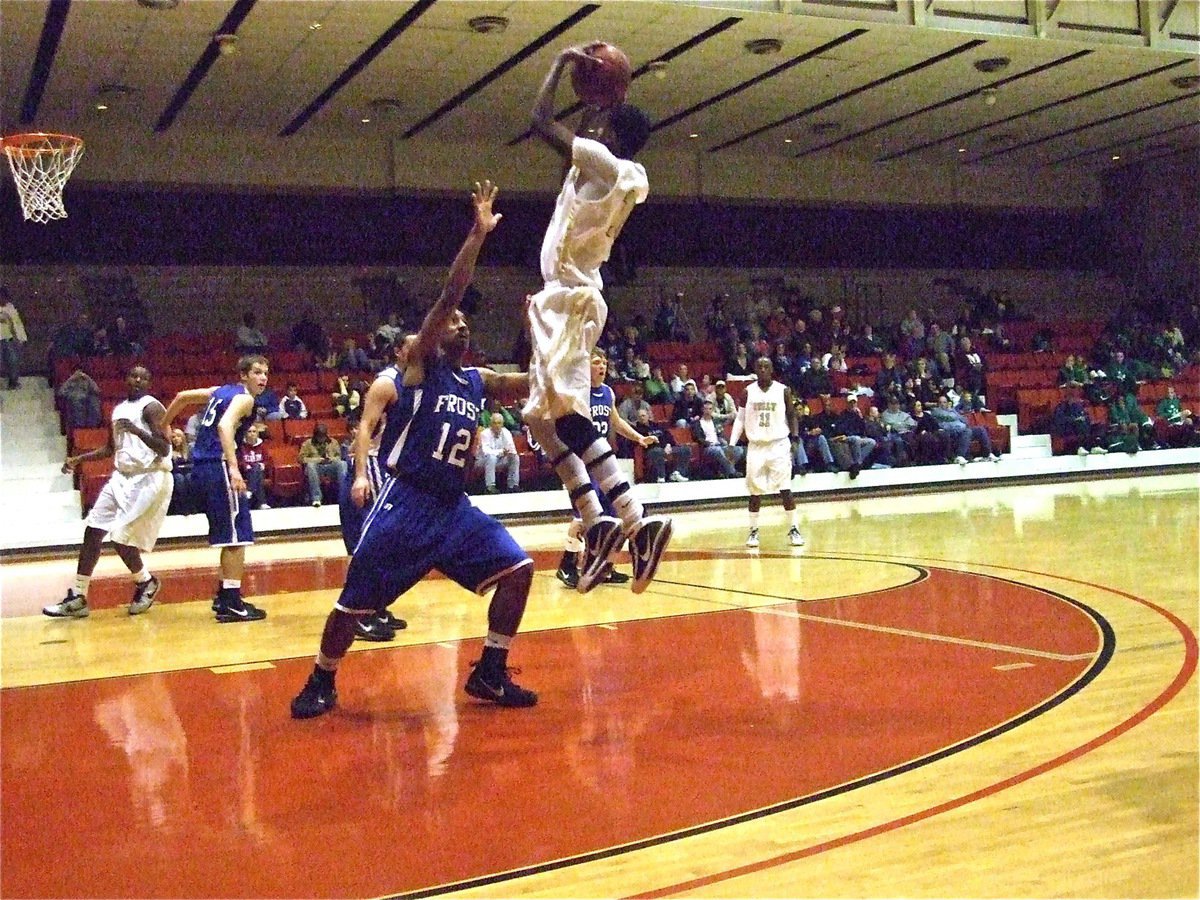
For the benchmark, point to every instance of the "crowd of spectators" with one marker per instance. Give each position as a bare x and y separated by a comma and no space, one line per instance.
867,394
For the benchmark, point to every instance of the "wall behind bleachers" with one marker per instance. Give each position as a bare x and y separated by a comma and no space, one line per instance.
207,299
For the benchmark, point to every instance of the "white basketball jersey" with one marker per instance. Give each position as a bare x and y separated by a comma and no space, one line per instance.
765,415
582,230
133,455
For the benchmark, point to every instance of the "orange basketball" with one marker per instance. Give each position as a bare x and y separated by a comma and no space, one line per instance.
603,78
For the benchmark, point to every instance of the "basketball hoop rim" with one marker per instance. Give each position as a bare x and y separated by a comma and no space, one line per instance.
21,142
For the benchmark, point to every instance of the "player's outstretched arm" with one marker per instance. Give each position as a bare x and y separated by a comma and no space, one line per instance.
506,387
557,135
183,400
462,270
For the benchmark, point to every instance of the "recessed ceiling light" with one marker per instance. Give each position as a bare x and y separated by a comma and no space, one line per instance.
364,120
102,106
787,140
992,64
693,135
962,149
763,46
314,26
1116,156
487,24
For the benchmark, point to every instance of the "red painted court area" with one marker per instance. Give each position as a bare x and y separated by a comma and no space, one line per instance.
196,784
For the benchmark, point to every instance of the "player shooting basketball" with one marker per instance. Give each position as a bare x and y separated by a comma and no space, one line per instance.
566,317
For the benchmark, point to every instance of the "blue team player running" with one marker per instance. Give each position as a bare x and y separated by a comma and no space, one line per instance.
422,519
228,412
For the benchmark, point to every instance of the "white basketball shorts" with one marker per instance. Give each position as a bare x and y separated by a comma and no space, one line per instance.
131,508
768,466
564,325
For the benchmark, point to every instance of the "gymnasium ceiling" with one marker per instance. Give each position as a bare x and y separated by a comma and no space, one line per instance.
1085,82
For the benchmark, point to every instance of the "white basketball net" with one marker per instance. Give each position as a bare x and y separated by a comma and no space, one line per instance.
41,165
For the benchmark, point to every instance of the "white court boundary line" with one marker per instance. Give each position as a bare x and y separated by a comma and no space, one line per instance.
923,635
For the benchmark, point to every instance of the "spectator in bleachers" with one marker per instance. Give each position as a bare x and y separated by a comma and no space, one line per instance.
12,336
1042,341
911,334
353,357
718,318
81,400
1129,421
1181,427
706,389
192,426
930,443
321,456
961,432
656,388
1073,373
292,405
938,341
756,341
968,403
835,360
865,342
679,379
634,402
970,368
100,344
689,406
900,430
889,380
250,338
252,460
661,451
739,364
633,367
724,406
1121,375
510,418
714,446
122,340
781,359
885,454
815,381
850,444
346,399
1071,422
74,339
498,453
926,385
390,332
266,405
813,440
183,498
818,329
308,333
670,320
860,390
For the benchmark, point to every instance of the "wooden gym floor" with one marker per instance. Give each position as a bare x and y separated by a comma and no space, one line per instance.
973,694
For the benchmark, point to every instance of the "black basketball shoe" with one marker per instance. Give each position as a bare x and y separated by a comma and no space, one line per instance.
317,698
498,687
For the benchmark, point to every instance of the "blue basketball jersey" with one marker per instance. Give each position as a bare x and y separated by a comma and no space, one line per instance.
603,400
208,440
429,432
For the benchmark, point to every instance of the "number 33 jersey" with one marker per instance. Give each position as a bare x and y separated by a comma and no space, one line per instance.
429,432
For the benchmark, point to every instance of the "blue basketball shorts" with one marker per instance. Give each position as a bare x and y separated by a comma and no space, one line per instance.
228,513
409,532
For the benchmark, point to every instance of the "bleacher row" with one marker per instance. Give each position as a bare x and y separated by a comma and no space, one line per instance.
1024,383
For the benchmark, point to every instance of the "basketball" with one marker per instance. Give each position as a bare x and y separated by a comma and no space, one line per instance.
603,78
